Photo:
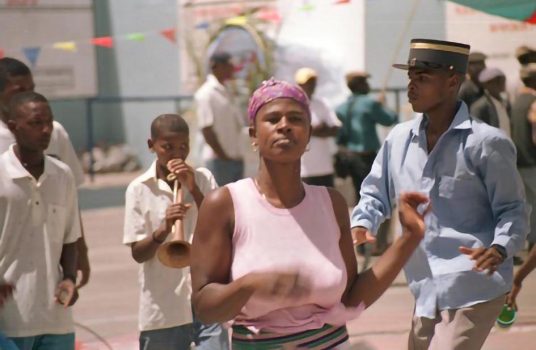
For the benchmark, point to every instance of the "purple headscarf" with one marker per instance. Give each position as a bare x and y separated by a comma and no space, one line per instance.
273,89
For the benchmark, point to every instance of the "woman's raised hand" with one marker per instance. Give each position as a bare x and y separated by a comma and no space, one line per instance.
412,208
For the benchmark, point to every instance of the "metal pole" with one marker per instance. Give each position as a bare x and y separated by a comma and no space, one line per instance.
397,101
90,141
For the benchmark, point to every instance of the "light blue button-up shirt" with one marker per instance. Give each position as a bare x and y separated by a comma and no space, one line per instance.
477,200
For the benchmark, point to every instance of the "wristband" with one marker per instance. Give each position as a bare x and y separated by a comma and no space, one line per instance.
157,240
501,250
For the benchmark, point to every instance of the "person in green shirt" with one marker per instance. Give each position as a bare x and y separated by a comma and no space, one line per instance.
358,137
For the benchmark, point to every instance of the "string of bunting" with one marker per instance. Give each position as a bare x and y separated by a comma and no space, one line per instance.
32,52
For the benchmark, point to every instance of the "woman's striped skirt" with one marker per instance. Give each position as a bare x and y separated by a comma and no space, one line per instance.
327,337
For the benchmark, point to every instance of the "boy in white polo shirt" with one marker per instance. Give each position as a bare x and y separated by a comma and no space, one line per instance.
165,314
39,227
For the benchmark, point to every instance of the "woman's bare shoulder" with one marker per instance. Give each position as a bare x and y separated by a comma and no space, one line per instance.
218,198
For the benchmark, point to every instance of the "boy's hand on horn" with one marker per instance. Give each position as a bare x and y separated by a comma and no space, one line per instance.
176,211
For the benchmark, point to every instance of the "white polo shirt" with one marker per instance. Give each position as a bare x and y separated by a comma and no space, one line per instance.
60,147
318,160
36,219
164,292
218,108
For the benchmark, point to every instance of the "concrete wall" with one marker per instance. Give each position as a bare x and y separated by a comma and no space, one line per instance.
131,68
385,20
148,68
388,28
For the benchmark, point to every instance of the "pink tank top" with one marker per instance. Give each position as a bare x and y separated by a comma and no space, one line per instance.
305,239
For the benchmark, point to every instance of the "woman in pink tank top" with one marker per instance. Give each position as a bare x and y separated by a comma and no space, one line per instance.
275,256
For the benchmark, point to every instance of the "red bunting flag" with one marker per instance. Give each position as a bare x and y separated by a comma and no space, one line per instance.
104,41
1,53
269,14
170,34
339,2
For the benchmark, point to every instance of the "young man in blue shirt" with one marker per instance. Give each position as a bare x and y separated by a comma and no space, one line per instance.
478,218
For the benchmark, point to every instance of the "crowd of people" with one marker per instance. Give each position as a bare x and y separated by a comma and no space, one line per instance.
461,174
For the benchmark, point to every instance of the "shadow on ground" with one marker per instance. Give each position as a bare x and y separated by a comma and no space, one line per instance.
362,345
97,198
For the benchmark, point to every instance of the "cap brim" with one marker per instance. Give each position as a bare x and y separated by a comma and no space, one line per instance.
401,66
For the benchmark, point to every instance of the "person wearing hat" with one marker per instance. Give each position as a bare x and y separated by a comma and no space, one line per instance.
316,163
360,114
477,219
492,108
471,89
220,121
524,135
525,55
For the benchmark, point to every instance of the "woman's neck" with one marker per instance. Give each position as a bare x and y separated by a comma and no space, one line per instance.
280,183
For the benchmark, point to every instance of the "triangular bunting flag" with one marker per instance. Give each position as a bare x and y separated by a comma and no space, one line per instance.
170,34
1,53
270,15
136,36
339,2
104,41
65,45
531,19
31,54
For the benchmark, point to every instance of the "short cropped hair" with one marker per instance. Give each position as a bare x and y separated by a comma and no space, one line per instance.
10,67
168,122
22,98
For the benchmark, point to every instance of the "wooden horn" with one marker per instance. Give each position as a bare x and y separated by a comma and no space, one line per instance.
175,253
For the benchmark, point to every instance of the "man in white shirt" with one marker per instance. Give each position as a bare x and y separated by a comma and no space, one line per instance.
492,108
16,77
220,121
317,162
39,227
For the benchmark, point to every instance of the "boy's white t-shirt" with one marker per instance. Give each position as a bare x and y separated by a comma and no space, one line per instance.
164,292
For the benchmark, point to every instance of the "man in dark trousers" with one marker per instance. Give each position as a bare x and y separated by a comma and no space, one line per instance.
524,136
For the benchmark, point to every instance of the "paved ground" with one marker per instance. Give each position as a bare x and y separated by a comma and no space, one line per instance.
108,305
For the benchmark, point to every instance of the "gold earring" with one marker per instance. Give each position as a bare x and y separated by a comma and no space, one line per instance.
254,146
